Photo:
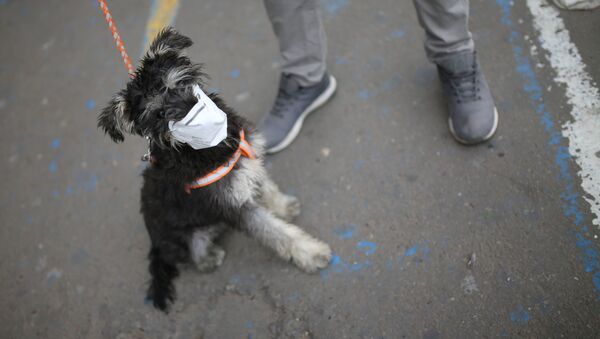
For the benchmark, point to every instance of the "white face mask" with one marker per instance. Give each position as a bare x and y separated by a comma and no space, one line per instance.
204,126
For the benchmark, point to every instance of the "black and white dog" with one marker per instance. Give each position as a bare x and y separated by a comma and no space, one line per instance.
183,222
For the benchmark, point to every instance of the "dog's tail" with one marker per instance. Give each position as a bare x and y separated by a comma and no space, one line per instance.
161,291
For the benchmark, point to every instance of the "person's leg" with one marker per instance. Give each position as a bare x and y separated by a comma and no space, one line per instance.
305,84
446,27
448,43
299,30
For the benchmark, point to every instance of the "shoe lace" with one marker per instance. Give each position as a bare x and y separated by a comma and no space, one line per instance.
465,86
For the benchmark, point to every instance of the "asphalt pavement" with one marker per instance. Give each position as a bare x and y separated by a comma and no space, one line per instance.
432,239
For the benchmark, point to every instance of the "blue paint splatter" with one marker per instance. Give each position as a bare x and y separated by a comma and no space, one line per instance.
519,316
234,74
363,94
411,251
90,104
333,6
356,262
55,144
335,260
335,265
52,166
55,193
345,232
587,250
367,247
397,34
338,265
68,190
249,324
29,220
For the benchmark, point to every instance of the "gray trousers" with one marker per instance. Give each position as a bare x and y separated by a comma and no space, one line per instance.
299,30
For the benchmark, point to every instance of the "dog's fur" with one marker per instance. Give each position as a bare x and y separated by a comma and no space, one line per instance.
183,225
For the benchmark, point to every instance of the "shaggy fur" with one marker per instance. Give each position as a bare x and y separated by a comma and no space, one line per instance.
184,225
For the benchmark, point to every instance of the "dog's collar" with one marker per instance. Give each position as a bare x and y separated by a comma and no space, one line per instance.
244,149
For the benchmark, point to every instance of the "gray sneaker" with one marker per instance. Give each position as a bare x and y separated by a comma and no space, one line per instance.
292,105
473,115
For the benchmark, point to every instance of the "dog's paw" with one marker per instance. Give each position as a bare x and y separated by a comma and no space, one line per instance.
219,255
211,261
310,254
161,304
160,297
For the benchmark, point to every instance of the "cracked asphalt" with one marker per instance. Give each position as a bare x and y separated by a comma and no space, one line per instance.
432,239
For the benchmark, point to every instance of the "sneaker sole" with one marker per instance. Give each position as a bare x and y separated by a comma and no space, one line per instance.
293,133
487,137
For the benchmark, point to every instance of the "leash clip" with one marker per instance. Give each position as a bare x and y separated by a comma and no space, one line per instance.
147,155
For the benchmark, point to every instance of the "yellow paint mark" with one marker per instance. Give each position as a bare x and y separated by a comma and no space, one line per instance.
163,14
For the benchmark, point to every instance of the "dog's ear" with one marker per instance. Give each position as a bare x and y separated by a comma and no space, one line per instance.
111,118
168,39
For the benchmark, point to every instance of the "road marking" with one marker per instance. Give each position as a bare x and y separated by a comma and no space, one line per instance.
584,131
588,252
162,13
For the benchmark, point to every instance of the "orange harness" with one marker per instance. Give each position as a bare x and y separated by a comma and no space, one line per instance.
244,149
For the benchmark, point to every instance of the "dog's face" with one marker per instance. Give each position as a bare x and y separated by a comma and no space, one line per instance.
160,92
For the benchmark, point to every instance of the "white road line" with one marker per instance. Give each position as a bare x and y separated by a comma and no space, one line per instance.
583,131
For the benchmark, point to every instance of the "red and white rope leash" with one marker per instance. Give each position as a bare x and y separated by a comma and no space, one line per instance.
117,38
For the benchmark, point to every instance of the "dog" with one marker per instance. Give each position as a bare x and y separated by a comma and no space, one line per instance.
183,222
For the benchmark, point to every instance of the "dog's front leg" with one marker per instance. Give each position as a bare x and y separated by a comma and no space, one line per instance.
282,205
289,241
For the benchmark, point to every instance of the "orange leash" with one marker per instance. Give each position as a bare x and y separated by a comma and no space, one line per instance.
117,38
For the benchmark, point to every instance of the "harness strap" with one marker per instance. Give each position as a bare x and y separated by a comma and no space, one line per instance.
244,149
